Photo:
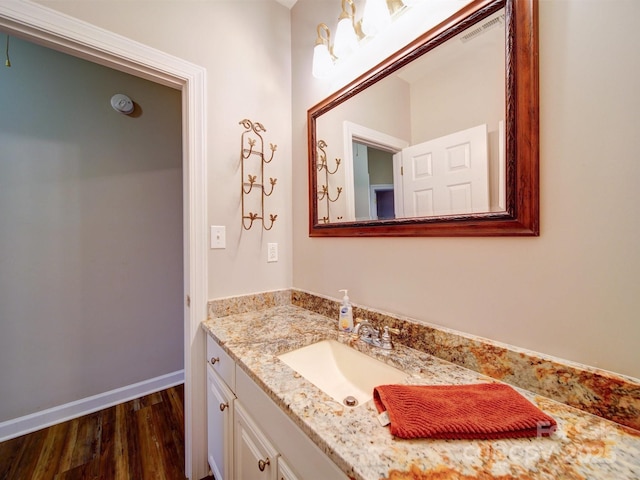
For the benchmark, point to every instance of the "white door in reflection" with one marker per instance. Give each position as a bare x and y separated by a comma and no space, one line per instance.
447,175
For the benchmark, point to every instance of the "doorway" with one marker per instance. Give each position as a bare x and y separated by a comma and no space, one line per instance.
386,166
373,182
382,202
60,32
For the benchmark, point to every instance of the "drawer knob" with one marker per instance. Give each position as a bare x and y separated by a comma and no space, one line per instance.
262,464
214,360
223,406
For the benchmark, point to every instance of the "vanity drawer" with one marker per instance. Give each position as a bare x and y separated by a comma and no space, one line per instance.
221,363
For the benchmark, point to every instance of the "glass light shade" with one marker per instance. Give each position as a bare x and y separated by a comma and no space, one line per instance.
346,41
411,3
376,17
322,63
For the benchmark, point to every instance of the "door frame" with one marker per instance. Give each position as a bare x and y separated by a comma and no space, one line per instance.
52,29
370,137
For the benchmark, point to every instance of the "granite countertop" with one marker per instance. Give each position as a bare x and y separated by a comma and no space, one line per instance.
584,446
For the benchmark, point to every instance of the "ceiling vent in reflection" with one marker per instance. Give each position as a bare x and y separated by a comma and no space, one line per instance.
482,28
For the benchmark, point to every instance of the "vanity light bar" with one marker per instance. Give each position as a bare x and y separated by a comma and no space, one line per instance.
378,15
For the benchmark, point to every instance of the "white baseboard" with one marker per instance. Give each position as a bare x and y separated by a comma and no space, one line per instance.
45,418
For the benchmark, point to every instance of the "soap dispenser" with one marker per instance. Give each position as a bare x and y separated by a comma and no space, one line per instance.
345,322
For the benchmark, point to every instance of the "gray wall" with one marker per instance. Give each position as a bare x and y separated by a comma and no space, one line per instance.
380,167
91,231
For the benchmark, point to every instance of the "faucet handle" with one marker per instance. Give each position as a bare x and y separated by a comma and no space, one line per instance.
385,340
357,322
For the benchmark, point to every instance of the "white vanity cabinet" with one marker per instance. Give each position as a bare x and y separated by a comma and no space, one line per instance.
297,455
220,411
249,436
284,471
255,457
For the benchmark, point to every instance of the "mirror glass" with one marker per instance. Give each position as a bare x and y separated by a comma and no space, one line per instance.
428,140
439,118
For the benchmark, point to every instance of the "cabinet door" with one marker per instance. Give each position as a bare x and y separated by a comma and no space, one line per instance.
255,457
302,455
220,406
284,471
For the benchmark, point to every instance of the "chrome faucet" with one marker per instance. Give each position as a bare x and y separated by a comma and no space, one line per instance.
366,332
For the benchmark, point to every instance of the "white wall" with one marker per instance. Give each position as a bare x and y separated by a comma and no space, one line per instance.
573,291
464,92
91,236
389,114
244,45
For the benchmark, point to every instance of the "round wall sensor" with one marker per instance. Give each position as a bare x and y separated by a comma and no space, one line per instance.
121,103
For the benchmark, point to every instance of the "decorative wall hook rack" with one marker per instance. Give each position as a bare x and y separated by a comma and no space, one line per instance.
252,144
323,191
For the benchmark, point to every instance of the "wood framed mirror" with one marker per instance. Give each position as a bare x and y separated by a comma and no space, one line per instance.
507,142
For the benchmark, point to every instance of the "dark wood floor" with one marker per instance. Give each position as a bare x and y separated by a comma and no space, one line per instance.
137,440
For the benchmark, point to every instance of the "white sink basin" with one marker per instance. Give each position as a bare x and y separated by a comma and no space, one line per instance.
340,371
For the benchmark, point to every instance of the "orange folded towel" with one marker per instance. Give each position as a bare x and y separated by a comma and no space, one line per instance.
478,411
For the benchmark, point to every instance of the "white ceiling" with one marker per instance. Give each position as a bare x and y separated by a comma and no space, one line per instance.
287,3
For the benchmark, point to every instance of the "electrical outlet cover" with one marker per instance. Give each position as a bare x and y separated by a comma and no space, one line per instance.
272,252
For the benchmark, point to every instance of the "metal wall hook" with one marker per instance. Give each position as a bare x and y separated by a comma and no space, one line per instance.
7,62
272,181
252,144
323,191
273,149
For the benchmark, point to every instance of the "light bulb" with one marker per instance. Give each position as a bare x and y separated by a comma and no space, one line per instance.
376,17
322,62
322,58
346,41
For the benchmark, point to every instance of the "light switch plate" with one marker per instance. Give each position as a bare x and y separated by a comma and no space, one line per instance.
218,237
272,252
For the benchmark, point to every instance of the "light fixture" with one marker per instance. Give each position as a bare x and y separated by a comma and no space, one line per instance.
346,41
376,17
322,57
378,14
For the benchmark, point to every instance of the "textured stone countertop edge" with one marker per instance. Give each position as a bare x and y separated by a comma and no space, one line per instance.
585,446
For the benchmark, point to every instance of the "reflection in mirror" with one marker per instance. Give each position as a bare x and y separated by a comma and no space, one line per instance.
439,119
432,141
324,173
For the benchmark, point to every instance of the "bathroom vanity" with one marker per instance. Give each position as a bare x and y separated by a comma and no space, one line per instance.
249,436
267,421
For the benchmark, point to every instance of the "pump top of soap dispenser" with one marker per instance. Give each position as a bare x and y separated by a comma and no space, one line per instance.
345,299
